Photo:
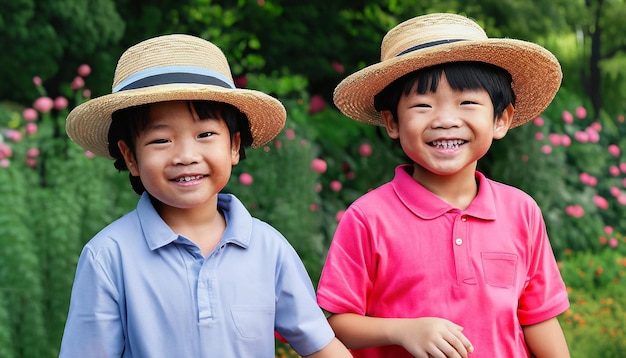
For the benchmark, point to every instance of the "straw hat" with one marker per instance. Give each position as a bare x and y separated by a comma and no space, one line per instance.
167,68
433,39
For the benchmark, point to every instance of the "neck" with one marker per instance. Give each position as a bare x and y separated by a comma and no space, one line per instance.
458,189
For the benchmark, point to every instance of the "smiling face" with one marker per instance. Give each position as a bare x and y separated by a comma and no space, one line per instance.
445,131
183,161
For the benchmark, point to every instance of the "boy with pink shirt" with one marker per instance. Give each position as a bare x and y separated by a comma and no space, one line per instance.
442,261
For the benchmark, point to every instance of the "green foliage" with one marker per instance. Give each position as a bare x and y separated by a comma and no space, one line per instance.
50,38
594,325
52,203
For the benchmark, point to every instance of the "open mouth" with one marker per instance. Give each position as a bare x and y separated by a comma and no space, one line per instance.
447,144
188,178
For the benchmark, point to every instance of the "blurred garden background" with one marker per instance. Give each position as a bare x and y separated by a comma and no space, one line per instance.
54,196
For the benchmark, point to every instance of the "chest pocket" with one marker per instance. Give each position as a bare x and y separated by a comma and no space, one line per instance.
253,322
499,268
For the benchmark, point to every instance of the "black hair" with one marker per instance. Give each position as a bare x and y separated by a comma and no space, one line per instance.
460,75
128,123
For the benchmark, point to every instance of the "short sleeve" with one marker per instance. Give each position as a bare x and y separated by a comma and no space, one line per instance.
545,295
298,317
348,273
93,327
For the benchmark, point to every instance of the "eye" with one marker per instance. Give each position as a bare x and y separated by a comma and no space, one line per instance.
206,134
469,102
159,141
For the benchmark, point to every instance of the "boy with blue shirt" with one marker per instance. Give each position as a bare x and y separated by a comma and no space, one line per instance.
442,261
188,273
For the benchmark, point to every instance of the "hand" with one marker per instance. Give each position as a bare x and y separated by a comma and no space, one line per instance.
432,337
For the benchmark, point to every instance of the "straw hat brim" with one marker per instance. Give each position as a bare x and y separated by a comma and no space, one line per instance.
535,71
88,124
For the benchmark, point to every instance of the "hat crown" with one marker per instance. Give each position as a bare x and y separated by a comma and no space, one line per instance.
423,31
171,51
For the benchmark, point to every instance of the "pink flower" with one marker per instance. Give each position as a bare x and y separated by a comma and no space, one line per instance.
5,163
350,175
596,126
539,136
593,135
5,151
622,167
60,103
84,70
600,202
290,134
554,138
314,207
14,135
546,149
338,67
608,230
278,144
587,178
89,154
539,122
30,114
31,162
575,211
335,185
613,242
86,93
614,150
319,165
77,83
365,150
566,141
240,81
339,215
602,240
31,128
615,191
303,142
317,188
524,158
581,136
43,104
316,104
37,81
614,170
567,117
581,112
32,152
260,2
245,179
621,199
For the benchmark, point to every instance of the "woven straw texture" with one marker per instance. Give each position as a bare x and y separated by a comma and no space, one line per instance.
88,124
535,71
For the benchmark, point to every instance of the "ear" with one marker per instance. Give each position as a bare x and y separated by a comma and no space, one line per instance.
390,124
129,158
235,145
503,123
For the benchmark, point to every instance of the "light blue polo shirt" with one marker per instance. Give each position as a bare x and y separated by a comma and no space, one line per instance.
141,290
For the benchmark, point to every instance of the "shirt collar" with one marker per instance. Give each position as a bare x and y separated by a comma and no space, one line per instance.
427,205
158,233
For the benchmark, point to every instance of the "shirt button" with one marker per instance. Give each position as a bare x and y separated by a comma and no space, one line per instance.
463,218
458,241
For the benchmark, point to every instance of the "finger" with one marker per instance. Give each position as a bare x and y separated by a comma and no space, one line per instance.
465,341
459,343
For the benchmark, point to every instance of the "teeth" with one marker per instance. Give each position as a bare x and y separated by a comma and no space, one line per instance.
447,143
188,178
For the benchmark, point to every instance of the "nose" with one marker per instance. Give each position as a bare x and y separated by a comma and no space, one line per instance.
446,118
186,153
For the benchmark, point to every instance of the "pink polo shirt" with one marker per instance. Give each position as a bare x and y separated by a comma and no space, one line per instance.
400,251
